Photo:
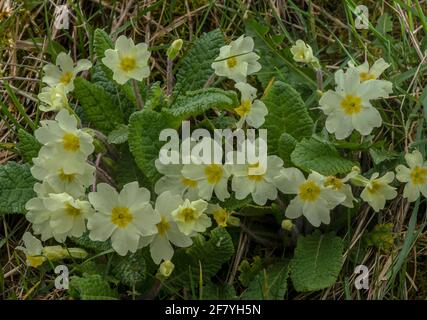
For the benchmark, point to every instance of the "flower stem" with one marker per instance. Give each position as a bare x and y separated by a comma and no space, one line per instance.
139,102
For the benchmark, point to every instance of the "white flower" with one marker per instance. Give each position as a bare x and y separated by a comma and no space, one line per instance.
251,110
124,217
127,60
415,176
190,217
72,179
33,249
261,185
377,190
64,72
58,216
313,199
348,107
63,136
210,178
373,73
167,229
175,182
340,186
302,52
237,60
53,98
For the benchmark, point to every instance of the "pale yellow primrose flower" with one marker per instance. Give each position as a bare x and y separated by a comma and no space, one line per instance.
64,72
62,135
167,229
262,185
415,176
190,217
237,60
367,73
251,110
51,168
58,216
313,200
124,217
303,53
127,60
377,190
349,108
222,216
339,185
53,98
33,250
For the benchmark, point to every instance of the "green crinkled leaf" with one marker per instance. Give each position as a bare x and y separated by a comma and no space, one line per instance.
98,105
130,269
208,255
195,67
317,261
269,284
223,291
144,129
311,154
91,287
248,271
86,243
16,187
198,102
286,113
156,99
119,135
28,146
286,145
101,42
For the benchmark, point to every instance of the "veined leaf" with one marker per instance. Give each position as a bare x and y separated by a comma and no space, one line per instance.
101,42
98,105
28,146
91,287
203,256
197,102
129,269
119,135
317,261
144,129
195,67
286,145
269,284
311,154
16,187
286,113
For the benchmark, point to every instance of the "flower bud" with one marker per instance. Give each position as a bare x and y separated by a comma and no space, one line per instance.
166,269
174,49
287,225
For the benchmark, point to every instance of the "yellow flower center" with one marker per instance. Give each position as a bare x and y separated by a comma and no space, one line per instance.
163,226
127,63
309,191
221,217
121,216
214,173
334,183
189,183
374,187
71,142
351,104
255,177
366,76
418,175
187,215
231,62
64,177
35,261
244,108
66,77
72,211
